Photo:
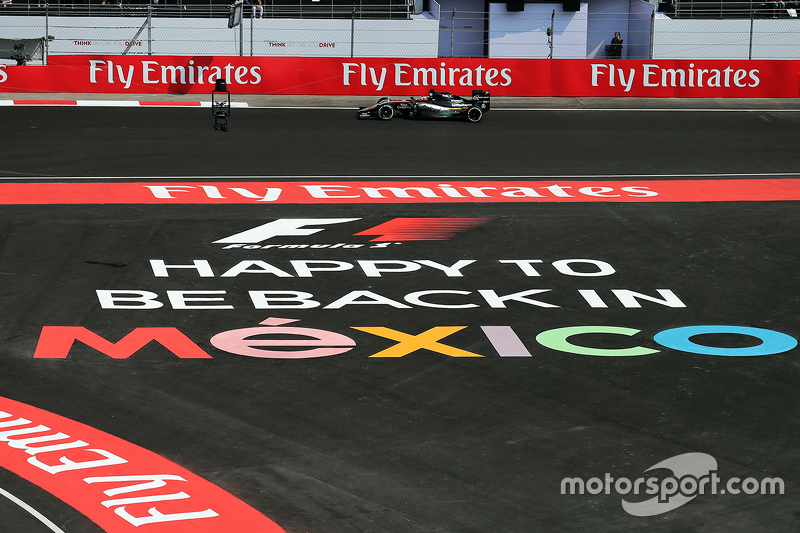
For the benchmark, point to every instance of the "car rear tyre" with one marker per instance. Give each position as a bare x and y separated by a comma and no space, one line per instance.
385,112
474,114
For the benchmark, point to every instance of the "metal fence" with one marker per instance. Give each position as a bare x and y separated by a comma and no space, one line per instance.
267,30
704,9
336,31
391,9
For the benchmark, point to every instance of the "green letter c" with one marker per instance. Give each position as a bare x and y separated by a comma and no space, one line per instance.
557,339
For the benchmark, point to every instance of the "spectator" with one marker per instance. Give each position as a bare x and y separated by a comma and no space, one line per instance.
616,45
614,50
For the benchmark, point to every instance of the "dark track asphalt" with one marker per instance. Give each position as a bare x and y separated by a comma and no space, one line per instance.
424,443
264,142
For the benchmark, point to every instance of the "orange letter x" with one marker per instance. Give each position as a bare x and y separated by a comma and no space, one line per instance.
411,343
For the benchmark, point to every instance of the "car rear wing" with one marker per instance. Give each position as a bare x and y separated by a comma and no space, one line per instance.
481,99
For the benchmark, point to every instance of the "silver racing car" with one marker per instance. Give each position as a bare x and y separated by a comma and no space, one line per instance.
435,105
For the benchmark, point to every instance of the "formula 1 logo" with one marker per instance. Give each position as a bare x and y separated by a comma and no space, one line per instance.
398,229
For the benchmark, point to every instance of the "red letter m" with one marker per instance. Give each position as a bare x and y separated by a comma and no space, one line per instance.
55,342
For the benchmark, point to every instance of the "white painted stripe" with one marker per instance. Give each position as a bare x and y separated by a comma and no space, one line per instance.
412,177
334,108
121,103
107,103
640,109
246,105
240,105
39,516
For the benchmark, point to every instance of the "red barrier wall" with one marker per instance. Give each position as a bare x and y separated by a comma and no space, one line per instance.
87,469
380,76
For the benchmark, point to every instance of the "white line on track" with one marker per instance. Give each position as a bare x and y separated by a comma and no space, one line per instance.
412,177
39,516
246,105
116,103
638,109
334,108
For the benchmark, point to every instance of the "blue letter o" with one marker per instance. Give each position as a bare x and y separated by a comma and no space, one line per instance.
772,342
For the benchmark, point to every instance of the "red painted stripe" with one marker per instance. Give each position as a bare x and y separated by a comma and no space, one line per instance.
168,103
383,192
45,102
421,229
96,473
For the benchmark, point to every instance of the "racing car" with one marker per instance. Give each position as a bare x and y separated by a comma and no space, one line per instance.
435,105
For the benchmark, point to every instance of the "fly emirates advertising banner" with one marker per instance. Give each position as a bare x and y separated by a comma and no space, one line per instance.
380,76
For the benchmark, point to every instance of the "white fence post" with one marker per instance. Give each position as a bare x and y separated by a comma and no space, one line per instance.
149,29
353,32
452,30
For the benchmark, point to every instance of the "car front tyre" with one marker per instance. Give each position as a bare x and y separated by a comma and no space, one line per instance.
385,112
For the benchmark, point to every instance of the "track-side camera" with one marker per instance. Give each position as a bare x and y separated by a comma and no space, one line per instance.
221,104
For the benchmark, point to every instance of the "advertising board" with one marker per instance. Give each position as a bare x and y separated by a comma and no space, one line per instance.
380,76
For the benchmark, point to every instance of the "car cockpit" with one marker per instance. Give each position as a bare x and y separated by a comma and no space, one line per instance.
445,99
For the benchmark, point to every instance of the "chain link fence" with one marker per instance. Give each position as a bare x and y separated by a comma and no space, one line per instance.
363,30
361,9
725,10
266,30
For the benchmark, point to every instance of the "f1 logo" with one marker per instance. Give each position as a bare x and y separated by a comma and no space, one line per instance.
288,227
398,229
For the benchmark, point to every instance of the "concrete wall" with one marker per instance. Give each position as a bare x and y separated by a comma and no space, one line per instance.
523,33
606,17
638,41
396,38
726,39
776,39
468,35
270,37
700,39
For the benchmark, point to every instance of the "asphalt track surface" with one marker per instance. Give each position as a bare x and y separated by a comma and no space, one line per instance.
270,142
425,442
